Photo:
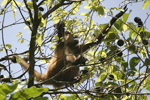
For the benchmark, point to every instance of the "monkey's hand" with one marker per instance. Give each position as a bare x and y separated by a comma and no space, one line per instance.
14,59
80,60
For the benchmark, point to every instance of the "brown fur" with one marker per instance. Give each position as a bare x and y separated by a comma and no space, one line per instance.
66,54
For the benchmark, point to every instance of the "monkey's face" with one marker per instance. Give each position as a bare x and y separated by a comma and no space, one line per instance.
71,40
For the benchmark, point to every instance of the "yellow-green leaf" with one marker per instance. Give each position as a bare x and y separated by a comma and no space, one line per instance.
43,61
18,3
22,41
26,27
84,14
125,27
9,46
14,15
30,4
110,69
92,23
19,40
43,23
87,6
39,40
54,46
12,5
146,3
4,2
19,34
102,77
100,10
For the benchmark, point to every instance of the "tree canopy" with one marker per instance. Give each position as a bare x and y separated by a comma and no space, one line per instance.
118,68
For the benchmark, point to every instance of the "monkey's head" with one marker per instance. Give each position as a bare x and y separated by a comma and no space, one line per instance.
71,39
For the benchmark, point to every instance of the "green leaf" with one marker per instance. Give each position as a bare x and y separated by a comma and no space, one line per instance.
118,25
100,10
146,3
39,39
92,23
3,97
124,27
6,89
88,6
30,4
147,62
13,8
19,34
56,37
75,8
19,40
126,15
34,92
111,37
22,40
69,98
102,77
41,98
148,88
14,15
110,69
18,3
53,47
4,2
134,61
28,93
43,23
12,5
43,61
9,46
84,14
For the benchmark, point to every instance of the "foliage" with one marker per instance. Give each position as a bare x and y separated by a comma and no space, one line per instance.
113,71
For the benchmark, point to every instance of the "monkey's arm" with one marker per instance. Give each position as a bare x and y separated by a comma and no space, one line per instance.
101,35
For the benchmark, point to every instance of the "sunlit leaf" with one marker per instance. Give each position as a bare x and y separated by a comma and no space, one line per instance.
4,2
92,23
22,84
6,89
39,39
146,3
19,34
27,93
18,3
22,41
88,6
124,27
110,69
43,23
102,77
30,4
19,40
12,5
125,16
9,46
75,8
53,47
148,88
84,14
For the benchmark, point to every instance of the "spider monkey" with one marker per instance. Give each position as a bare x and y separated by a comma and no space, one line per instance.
67,54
